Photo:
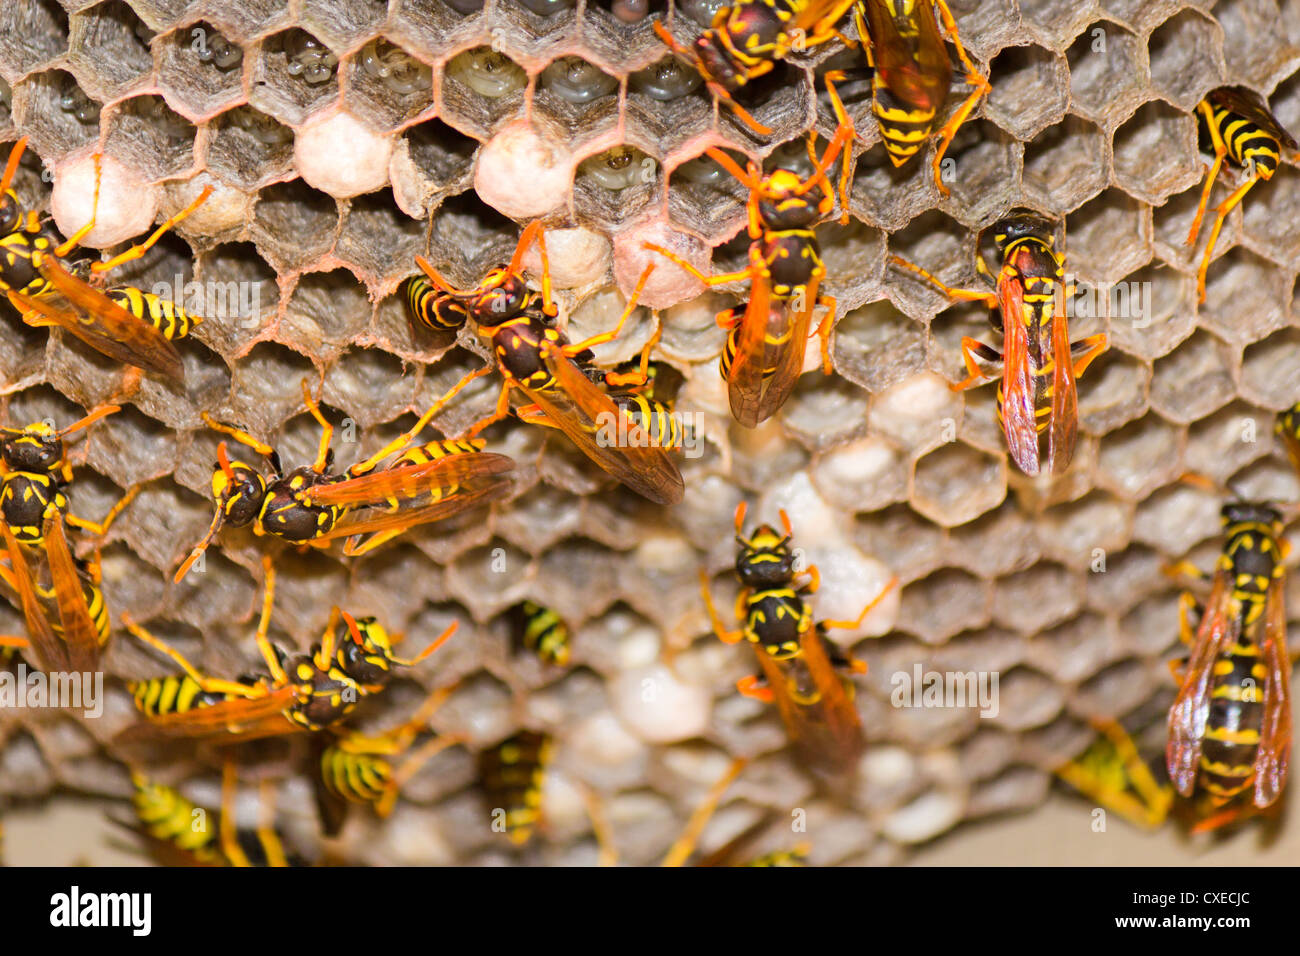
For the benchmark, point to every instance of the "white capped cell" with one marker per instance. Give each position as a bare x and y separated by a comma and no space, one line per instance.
341,156
576,257
669,284
658,707
128,204
523,174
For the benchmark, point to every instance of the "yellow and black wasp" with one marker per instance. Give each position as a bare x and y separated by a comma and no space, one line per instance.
1240,127
366,504
1037,392
801,670
542,631
912,75
1113,773
60,597
1230,725
746,39
432,308
512,775
1288,429
179,833
766,336
306,692
364,769
128,325
534,358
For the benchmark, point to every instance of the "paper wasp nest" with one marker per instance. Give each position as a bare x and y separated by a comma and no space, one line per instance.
344,137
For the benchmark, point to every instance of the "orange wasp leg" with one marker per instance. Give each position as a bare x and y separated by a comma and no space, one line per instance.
1220,151
1221,215
326,430
243,437
100,528
1091,347
211,685
1151,810
714,87
857,622
971,351
720,629
755,688
974,78
602,338
684,846
139,249
720,279
962,295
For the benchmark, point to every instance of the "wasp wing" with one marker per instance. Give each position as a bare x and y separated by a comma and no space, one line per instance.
1275,730
1019,421
100,322
605,433
915,68
79,631
372,522
50,652
1249,105
410,480
1191,708
229,721
1063,423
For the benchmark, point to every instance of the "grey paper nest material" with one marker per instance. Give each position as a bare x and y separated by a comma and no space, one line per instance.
1089,121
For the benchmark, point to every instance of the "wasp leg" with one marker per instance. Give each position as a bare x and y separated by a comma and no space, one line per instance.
963,295
720,629
1148,812
411,766
326,430
852,625
720,279
502,410
849,134
684,846
974,78
272,845
100,528
226,826
604,337
755,688
139,249
211,685
1221,214
971,349
1220,151
1223,818
1091,347
245,439
824,330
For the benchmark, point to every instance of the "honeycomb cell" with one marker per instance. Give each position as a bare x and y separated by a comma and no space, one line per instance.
1175,518
1028,90
1120,579
1140,457
984,158
1194,381
1117,689
106,49
1268,372
1065,165
341,23
1244,299
1057,21
32,34
1151,311
1074,650
294,76
581,93
430,161
200,72
614,186
242,293
1112,393
705,197
293,224
1186,58
1081,533
480,87
1155,153
152,138
824,410
1109,237
957,483
248,148
386,84
1107,69
908,544
59,117
1255,50
878,347
1027,699
1268,223
1140,15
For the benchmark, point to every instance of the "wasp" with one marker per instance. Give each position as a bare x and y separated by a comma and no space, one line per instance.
764,352
1241,128
912,75
357,768
67,620
802,671
534,358
366,504
178,831
1230,724
1040,364
307,692
542,631
512,774
745,41
1114,774
128,325
1288,429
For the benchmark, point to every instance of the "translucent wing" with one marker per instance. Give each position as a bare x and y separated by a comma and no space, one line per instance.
1019,423
1275,731
915,69
79,631
1063,423
769,359
230,721
100,322
1191,708
51,653
371,522
1248,104
409,480
606,433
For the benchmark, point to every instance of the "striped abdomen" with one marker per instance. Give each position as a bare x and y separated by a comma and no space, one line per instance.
1232,731
436,451
512,774
166,815
904,128
160,696
358,777
430,307
163,314
654,418
1042,276
1248,144
544,633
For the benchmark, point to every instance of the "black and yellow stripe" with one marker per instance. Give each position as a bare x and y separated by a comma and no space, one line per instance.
512,774
166,815
179,694
163,314
429,307
1248,143
356,777
544,632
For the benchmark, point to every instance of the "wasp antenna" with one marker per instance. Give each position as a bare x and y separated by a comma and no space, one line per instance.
740,518
441,640
1198,480
223,462
95,415
785,523
11,167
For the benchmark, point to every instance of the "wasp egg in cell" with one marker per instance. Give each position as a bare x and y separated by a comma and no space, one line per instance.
396,69
308,58
576,81
77,104
128,203
487,72
523,174
619,168
212,47
667,80
341,156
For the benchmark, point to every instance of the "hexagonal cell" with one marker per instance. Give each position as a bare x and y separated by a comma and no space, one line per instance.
1139,15
1268,372
340,22
824,410
386,84
199,70
778,100
877,346
1107,68
1155,152
249,148
612,187
257,295
907,543
1140,457
946,332
1065,165
480,88
379,240
57,115
1117,689
107,50
325,311
985,159
1121,579
1038,598
1186,58
1244,297
1109,237
1057,20
1194,381
889,197
295,75
1112,393
146,134
1269,221
32,34
1029,91
431,161
704,197
293,224
1227,441
1082,532
1254,48
666,100
1151,311
943,604
956,483
580,93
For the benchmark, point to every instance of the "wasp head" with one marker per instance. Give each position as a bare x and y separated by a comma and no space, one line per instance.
36,449
765,559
